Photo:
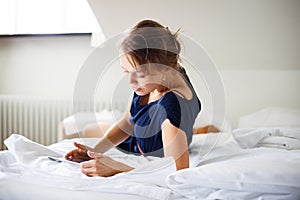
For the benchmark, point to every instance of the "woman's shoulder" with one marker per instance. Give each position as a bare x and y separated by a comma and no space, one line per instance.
178,94
169,99
174,100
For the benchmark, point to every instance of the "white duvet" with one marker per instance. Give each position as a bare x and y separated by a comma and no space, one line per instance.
28,162
230,172
280,137
219,170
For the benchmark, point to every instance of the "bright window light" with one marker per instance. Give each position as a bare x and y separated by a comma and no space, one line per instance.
47,17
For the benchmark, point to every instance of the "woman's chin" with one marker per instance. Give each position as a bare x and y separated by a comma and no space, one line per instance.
140,92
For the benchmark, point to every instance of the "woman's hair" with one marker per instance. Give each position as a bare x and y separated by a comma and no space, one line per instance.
151,42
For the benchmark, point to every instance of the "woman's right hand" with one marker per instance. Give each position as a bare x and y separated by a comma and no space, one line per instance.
79,154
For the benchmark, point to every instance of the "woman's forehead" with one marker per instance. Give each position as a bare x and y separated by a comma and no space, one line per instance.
126,62
130,65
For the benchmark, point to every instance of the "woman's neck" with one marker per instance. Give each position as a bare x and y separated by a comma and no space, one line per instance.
156,94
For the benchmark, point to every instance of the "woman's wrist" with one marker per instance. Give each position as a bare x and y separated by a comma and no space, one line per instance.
103,145
122,168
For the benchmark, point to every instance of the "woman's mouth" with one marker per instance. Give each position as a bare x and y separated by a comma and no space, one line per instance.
137,89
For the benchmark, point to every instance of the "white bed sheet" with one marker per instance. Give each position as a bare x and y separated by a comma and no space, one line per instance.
16,190
223,171
27,162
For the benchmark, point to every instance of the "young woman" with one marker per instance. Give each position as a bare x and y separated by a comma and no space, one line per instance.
161,114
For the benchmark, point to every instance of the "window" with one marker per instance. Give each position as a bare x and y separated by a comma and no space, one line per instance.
47,17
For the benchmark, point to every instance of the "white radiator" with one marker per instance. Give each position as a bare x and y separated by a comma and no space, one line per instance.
36,119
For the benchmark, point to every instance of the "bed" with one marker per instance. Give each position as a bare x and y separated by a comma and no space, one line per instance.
254,161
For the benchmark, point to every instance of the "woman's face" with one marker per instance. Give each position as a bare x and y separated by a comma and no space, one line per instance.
142,81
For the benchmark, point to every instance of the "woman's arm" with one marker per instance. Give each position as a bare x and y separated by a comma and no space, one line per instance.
97,164
115,135
175,144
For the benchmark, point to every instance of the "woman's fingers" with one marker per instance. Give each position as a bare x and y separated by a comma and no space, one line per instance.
80,146
79,154
88,171
83,147
88,164
70,154
74,152
89,168
101,165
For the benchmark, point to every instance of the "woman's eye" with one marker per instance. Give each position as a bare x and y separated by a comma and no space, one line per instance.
140,75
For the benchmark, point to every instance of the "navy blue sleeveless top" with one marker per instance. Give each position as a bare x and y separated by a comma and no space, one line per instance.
147,120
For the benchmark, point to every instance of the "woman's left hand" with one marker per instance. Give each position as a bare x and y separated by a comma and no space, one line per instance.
101,165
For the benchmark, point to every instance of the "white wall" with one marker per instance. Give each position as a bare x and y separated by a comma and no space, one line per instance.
44,66
248,91
255,45
238,34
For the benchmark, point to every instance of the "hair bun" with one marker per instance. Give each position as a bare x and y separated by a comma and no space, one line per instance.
148,23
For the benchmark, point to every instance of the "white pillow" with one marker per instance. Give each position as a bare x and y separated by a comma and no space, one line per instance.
77,122
271,117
